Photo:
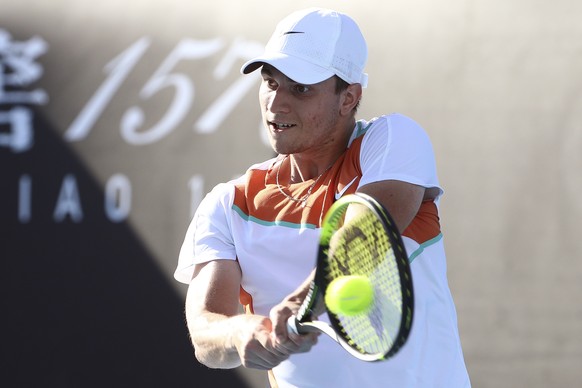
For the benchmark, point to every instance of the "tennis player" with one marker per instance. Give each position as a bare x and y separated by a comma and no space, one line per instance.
253,240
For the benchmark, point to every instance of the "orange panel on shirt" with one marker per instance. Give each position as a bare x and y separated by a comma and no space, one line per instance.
261,189
246,300
425,224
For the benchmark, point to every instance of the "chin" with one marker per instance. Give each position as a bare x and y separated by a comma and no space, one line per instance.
282,150
278,147
283,147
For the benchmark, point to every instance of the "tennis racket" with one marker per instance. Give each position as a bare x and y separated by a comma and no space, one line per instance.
368,245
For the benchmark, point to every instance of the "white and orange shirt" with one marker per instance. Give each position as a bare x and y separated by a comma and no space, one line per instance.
275,241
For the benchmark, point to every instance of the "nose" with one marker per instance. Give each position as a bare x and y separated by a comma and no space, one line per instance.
278,101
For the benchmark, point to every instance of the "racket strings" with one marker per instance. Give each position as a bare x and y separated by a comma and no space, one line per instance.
363,248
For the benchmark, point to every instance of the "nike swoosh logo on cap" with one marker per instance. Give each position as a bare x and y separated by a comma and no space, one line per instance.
293,32
339,194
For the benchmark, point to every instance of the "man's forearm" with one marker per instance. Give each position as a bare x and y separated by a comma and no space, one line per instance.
213,338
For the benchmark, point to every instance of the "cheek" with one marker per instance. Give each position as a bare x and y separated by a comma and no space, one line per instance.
324,116
263,97
317,112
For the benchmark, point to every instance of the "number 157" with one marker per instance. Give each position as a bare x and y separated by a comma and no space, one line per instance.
132,121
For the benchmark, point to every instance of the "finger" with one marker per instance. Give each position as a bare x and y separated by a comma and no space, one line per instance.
279,320
303,342
258,356
257,350
272,354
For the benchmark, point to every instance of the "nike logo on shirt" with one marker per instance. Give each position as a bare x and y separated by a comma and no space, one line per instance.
339,194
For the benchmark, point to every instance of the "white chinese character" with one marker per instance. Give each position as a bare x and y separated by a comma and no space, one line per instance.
18,69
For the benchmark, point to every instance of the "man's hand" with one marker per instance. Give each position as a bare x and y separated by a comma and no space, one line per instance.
283,339
255,345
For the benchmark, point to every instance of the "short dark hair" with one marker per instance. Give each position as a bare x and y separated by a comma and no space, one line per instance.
340,86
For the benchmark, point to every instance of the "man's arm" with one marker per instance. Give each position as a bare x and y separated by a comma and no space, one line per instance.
223,338
401,199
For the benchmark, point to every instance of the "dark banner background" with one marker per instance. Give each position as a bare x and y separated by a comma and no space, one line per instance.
84,304
117,117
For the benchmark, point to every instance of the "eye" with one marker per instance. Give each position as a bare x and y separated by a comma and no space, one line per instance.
301,89
270,82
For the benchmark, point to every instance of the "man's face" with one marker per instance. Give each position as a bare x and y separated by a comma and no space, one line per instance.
299,118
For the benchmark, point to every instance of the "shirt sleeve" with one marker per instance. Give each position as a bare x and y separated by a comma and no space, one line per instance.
397,148
208,236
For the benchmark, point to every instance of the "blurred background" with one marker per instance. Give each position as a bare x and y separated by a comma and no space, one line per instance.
117,117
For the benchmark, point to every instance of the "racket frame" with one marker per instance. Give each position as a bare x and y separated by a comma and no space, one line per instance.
303,323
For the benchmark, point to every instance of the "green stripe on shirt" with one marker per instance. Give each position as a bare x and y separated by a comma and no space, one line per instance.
286,224
424,245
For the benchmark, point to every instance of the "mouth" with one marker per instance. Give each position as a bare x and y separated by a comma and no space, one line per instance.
276,126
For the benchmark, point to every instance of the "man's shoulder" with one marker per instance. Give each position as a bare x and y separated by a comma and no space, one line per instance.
390,119
393,123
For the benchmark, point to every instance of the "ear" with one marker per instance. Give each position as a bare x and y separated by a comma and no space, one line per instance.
350,99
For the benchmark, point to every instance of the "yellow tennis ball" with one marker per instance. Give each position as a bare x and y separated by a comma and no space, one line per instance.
349,295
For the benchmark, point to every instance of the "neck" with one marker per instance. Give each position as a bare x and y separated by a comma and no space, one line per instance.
298,174
310,165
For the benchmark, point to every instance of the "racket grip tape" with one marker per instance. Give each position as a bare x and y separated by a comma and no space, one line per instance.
292,325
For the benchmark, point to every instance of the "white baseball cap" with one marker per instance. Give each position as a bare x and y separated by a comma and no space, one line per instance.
312,45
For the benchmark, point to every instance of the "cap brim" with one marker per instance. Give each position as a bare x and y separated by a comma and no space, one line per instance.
297,69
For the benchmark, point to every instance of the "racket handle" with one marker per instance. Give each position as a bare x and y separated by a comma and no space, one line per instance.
292,325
